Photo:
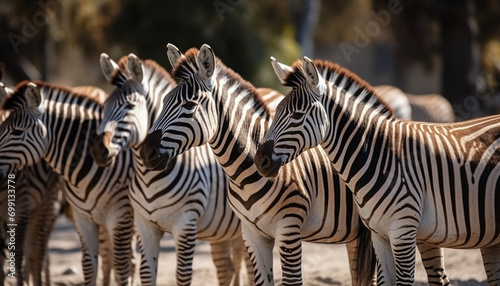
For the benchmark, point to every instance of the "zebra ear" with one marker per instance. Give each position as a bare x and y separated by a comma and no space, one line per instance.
108,66
310,71
33,96
173,54
280,69
134,66
206,62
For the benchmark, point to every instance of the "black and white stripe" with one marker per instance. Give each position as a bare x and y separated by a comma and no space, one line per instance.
412,181
35,195
55,124
188,199
305,202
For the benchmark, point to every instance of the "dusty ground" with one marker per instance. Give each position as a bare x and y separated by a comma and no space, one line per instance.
322,264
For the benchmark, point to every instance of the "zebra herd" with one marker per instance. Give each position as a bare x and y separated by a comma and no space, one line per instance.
213,158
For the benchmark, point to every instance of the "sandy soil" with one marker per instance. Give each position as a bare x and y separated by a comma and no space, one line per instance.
322,264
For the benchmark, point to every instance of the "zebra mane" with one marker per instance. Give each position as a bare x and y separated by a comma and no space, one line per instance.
121,75
155,68
187,65
333,72
17,98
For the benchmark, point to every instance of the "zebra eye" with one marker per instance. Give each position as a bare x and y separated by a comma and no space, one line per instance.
17,132
190,105
297,115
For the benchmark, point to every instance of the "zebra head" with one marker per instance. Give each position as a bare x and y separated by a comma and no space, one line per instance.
23,136
189,116
300,121
125,113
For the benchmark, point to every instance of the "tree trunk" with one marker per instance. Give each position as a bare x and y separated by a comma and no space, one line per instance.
305,15
461,58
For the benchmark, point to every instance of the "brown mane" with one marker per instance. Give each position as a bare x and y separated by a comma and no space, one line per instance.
158,69
188,65
18,95
297,76
151,64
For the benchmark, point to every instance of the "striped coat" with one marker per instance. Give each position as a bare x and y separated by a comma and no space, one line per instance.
56,124
412,181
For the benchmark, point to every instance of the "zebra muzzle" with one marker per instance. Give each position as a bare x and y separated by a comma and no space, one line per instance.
100,150
150,152
264,160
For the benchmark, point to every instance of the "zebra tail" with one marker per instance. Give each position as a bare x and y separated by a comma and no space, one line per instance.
365,256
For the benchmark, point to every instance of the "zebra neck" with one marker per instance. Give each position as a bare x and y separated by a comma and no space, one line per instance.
243,122
71,128
360,141
158,85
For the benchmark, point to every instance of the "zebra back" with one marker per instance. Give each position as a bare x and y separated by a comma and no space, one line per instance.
431,108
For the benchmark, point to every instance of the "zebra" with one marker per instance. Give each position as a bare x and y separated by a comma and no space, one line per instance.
397,100
52,122
289,209
36,207
39,190
431,108
423,107
189,199
412,181
307,201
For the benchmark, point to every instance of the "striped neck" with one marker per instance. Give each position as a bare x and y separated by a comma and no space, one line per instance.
72,121
158,83
243,121
361,128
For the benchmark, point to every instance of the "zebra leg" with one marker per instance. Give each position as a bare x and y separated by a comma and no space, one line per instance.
386,269
105,254
239,254
249,267
237,247
404,246
491,262
221,256
88,232
433,261
260,251
20,235
185,242
290,250
43,220
121,247
148,236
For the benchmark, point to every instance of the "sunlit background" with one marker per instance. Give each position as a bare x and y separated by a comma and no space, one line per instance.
427,46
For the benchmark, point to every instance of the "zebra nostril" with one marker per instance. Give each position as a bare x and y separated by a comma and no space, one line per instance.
264,154
266,162
149,150
152,152
104,152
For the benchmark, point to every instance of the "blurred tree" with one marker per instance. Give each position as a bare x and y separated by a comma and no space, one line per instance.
305,16
453,31
147,26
